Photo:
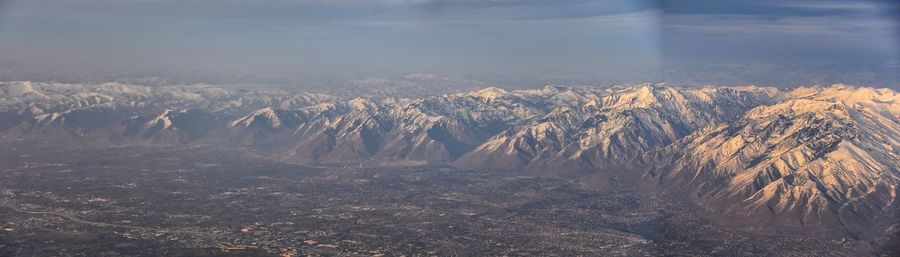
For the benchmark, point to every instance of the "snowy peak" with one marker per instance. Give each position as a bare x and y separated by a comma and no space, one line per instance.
49,119
268,118
169,126
19,89
820,152
558,96
638,97
489,93
810,154
883,101
163,121
626,123
362,104
52,126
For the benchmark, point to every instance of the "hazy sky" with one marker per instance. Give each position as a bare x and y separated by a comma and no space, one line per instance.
507,42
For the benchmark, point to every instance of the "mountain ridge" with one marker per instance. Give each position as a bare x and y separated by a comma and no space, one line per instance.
808,157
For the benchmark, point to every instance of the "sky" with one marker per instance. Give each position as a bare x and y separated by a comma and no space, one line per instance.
514,43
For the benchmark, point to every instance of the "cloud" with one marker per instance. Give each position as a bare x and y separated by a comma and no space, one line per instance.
793,26
783,8
536,41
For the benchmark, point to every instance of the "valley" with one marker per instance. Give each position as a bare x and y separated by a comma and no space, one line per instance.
619,170
199,201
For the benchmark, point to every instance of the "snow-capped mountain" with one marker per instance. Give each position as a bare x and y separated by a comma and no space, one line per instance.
613,128
50,124
822,155
270,119
170,126
59,97
808,156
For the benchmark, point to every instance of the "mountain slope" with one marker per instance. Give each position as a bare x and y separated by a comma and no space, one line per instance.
613,127
824,156
170,126
813,158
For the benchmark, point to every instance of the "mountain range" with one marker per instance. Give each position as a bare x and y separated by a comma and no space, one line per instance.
822,159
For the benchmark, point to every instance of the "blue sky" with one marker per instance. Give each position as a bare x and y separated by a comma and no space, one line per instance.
504,42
